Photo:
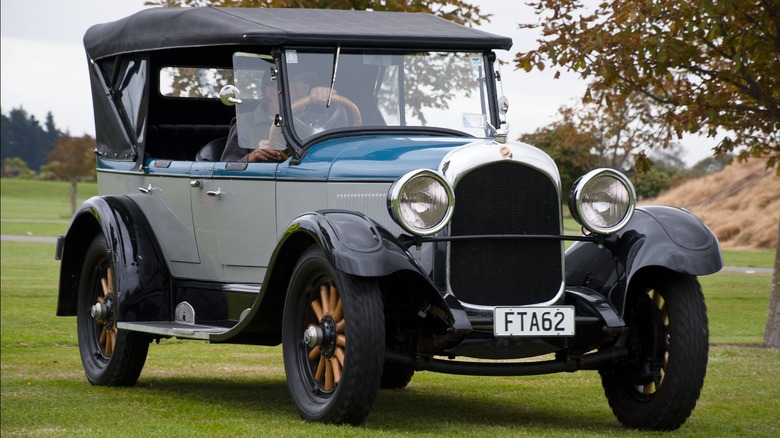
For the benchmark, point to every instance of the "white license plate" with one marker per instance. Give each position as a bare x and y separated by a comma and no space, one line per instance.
533,321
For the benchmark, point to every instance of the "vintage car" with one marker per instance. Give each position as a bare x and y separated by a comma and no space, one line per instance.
399,232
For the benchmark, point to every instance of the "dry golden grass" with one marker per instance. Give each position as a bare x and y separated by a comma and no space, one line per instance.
740,204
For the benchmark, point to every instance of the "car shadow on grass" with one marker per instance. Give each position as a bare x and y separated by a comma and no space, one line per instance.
405,411
428,411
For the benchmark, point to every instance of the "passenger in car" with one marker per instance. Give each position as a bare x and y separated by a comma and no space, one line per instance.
300,87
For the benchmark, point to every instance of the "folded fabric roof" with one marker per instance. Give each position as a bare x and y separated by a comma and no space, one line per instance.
165,28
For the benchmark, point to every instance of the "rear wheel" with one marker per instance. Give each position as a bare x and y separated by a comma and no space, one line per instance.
110,357
657,387
333,341
396,376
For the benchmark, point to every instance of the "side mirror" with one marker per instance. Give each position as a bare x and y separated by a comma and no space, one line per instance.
228,95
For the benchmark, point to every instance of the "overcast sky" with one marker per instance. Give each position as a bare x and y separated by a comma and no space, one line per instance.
44,68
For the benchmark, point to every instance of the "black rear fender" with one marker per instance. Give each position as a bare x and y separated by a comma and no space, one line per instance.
141,274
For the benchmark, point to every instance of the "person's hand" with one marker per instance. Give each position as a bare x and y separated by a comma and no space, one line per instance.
264,153
320,94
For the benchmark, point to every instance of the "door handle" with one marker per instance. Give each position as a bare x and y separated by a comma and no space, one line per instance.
147,190
215,193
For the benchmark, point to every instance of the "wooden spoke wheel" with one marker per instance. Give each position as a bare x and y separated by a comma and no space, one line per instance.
110,357
657,386
333,341
103,312
325,338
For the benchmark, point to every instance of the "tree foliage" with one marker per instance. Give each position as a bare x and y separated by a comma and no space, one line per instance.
619,132
72,159
15,167
456,10
567,145
22,136
710,67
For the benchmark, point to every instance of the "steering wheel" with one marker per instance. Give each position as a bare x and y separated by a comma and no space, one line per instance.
357,119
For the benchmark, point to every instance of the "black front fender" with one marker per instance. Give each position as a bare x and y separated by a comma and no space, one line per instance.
656,236
353,243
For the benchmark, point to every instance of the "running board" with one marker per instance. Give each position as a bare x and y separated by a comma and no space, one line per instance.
174,329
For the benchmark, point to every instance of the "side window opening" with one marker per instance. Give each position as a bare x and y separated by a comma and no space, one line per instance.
187,113
120,106
193,82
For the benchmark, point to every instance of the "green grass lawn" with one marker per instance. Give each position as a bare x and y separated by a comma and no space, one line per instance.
191,388
38,208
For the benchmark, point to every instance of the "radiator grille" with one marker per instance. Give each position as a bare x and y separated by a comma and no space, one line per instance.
505,198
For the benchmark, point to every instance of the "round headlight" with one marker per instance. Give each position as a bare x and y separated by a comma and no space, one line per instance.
421,202
602,201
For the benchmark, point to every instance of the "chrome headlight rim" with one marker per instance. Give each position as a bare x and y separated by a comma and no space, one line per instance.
578,192
394,201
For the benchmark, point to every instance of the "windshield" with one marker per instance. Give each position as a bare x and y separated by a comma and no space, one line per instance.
387,90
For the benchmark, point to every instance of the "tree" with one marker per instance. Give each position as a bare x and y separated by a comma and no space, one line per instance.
567,145
702,75
72,160
772,333
710,67
16,168
651,184
456,10
618,132
22,136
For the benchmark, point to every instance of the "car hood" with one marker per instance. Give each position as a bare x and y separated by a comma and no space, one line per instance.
373,158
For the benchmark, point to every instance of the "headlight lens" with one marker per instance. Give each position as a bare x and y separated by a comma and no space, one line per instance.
421,202
602,201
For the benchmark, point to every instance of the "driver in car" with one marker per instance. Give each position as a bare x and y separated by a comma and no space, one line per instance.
300,87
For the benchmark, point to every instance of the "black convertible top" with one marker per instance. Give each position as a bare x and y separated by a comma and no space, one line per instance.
165,28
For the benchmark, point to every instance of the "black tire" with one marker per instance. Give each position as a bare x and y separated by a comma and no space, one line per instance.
110,357
334,379
396,376
657,387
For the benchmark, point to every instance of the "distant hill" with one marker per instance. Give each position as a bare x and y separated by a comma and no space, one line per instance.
740,204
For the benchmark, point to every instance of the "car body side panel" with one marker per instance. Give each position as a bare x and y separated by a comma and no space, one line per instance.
162,191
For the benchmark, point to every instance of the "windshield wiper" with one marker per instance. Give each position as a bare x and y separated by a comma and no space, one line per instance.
333,78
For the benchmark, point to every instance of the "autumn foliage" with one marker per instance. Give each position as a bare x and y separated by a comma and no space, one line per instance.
710,67
458,11
72,159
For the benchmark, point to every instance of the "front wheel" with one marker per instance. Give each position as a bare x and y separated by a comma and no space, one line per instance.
333,341
657,387
110,357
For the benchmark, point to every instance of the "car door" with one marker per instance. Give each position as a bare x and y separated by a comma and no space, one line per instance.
234,213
